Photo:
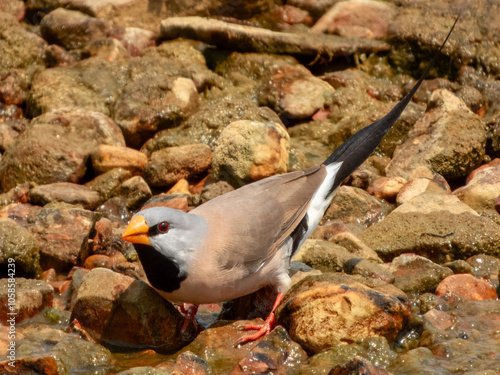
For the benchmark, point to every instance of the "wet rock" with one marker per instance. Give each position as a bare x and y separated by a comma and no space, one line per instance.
429,301
149,103
9,131
186,363
107,183
56,147
31,297
465,287
252,39
20,48
11,90
248,151
438,227
169,165
319,312
440,320
72,353
18,212
62,232
449,139
106,158
356,208
481,191
295,92
375,348
72,29
29,365
64,192
142,318
216,345
386,188
96,297
357,366
255,305
276,353
144,370
96,261
21,246
416,274
486,267
419,360
348,18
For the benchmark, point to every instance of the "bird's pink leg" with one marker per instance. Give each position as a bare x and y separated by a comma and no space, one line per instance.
190,313
262,329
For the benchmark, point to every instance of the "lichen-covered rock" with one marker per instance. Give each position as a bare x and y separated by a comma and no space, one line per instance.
169,165
449,139
439,227
248,151
21,246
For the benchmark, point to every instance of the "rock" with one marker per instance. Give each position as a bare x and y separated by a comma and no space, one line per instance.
416,274
323,255
29,365
253,39
205,125
30,297
106,158
109,49
149,103
96,297
419,360
449,139
185,363
56,146
440,320
422,181
255,305
97,261
140,318
9,131
358,365
11,91
295,92
136,40
276,353
485,267
429,301
460,287
57,56
345,17
169,165
107,183
177,201
356,208
62,232
481,191
144,370
319,312
72,353
21,246
375,348
19,194
129,196
497,204
368,268
18,212
386,188
438,227
460,266
64,192
248,151
72,29
13,7
20,48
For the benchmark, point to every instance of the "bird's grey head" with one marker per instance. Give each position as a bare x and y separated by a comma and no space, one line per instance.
173,233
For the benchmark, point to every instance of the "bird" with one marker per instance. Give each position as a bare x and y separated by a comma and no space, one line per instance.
241,241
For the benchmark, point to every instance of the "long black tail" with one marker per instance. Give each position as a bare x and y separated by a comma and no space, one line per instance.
357,148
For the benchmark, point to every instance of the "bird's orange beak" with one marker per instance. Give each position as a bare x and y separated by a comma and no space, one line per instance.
137,231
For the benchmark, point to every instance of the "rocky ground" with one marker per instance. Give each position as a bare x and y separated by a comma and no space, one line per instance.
107,106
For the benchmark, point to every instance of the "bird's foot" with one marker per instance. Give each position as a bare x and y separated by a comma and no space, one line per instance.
262,330
190,313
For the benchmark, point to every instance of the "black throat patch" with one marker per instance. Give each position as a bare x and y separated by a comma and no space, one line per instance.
162,273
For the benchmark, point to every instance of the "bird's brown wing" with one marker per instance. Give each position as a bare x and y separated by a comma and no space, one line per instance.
249,224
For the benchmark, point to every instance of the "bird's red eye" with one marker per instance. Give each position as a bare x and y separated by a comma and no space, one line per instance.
163,226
